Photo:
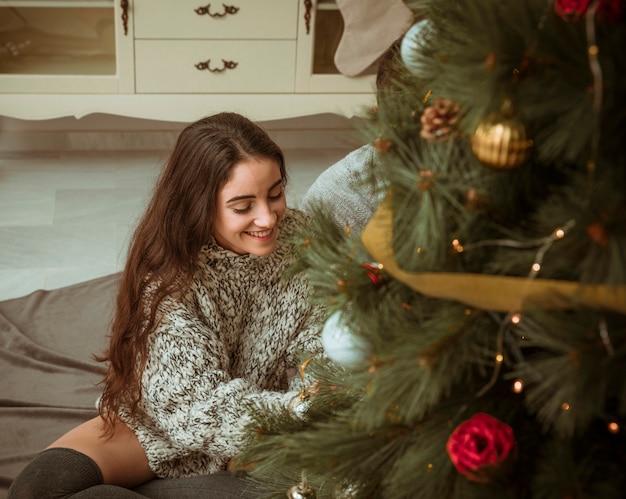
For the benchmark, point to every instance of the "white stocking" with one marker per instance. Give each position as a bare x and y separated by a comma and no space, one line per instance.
370,27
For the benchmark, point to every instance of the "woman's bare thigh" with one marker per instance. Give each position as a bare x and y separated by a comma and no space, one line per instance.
120,457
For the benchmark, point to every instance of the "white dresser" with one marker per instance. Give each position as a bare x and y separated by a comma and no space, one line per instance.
174,60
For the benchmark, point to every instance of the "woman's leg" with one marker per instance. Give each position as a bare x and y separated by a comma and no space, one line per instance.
59,473
120,457
84,458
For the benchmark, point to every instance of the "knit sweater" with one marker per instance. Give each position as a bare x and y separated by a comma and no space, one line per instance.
229,342
343,192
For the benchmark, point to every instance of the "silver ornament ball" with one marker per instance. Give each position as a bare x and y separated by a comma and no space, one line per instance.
301,491
342,345
414,50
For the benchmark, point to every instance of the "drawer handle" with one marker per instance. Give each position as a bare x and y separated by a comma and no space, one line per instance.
307,15
124,7
207,65
228,9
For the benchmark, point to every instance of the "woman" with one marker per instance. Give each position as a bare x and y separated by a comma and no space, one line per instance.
206,326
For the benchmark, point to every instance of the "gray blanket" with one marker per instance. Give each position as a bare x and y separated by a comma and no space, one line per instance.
48,379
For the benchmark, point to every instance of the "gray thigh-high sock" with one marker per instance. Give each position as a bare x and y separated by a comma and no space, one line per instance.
60,473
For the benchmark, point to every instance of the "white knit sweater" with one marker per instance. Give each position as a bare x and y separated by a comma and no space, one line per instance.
343,192
229,342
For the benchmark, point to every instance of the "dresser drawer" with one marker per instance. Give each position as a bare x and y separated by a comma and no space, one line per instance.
169,66
253,19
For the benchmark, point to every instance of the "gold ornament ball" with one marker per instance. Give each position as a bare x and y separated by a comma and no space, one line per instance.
500,141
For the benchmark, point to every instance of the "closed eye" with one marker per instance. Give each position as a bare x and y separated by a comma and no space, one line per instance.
241,211
272,197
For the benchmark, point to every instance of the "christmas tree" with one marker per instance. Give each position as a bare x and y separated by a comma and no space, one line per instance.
476,339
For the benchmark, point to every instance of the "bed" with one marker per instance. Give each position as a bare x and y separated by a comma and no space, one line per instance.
49,379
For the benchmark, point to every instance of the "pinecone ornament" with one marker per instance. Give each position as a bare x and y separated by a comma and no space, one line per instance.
439,119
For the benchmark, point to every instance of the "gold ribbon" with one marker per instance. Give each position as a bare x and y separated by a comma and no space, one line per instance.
485,291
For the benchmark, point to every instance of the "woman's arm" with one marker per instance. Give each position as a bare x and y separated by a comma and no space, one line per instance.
190,397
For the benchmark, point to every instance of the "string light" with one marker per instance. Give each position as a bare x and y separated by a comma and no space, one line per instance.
516,318
558,233
518,386
591,166
596,71
543,243
565,406
613,427
504,324
606,339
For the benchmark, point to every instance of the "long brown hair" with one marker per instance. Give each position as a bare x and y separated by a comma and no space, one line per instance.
162,256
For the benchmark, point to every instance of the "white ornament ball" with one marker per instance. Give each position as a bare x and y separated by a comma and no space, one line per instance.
413,49
342,345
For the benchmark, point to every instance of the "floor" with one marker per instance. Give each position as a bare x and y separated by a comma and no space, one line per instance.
66,217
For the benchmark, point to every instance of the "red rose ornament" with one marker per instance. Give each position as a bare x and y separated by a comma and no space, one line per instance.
480,446
574,9
566,8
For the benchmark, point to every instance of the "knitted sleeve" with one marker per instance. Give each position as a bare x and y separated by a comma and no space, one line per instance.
342,192
189,393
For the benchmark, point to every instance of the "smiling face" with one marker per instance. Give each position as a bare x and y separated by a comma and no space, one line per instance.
250,207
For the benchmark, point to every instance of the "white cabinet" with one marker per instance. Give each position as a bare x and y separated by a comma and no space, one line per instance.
64,47
174,61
